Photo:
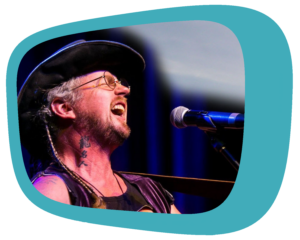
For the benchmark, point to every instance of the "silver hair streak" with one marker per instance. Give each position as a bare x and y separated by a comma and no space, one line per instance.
63,92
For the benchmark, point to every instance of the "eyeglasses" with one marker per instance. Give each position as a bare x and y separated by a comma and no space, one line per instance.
109,80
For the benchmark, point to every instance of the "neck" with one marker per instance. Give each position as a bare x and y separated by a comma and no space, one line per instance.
89,159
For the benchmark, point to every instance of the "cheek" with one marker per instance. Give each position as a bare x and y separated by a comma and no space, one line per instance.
100,108
98,103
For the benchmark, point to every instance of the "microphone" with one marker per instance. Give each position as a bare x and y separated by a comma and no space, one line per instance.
182,117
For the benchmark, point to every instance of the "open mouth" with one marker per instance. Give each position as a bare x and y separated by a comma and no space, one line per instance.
118,109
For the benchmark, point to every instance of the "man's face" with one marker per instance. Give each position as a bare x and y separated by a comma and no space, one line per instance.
102,112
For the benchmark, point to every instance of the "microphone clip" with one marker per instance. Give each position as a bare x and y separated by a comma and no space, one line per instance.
205,122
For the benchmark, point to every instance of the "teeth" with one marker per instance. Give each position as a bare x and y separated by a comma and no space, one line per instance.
118,109
119,106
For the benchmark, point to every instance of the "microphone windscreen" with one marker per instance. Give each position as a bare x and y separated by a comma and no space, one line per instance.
176,117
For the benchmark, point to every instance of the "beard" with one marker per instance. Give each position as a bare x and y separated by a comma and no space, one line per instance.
103,132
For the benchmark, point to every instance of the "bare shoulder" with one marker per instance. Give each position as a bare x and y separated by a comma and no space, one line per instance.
174,210
53,187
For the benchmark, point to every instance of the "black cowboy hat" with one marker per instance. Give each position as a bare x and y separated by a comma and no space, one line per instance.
74,60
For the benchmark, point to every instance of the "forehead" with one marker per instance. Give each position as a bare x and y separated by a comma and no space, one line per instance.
91,76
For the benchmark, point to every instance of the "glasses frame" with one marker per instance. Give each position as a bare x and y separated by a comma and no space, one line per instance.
106,83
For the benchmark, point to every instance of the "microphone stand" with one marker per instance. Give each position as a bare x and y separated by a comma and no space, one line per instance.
211,130
219,146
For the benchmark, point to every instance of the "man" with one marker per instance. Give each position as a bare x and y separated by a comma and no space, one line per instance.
73,114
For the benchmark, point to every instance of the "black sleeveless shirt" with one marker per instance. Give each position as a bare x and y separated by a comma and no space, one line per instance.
157,198
131,200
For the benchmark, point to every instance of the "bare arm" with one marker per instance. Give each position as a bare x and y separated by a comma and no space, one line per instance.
174,210
53,187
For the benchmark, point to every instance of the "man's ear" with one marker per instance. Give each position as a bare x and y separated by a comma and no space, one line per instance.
62,109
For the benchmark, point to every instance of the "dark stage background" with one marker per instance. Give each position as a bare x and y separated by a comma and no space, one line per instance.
155,146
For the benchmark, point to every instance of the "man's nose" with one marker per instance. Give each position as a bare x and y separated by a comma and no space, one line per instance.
122,90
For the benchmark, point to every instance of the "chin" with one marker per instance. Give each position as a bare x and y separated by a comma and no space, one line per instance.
106,132
124,133
117,135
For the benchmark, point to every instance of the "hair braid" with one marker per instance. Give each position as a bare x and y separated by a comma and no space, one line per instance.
98,201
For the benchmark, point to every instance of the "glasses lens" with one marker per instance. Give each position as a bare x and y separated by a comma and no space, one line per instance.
124,82
110,81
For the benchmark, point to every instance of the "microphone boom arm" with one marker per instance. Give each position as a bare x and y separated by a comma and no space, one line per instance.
211,131
219,146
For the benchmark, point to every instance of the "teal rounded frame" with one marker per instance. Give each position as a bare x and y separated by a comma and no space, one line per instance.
268,86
